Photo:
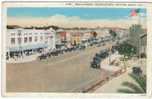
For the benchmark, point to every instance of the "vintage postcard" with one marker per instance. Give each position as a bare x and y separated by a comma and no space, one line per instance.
76,47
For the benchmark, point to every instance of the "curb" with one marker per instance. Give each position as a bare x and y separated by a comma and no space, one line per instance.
100,83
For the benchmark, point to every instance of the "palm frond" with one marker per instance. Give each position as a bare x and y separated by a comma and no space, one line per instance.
133,86
125,91
138,87
141,81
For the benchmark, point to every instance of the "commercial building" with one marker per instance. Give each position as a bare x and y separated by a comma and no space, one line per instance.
138,38
21,41
62,36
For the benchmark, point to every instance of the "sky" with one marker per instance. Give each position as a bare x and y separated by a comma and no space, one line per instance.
70,17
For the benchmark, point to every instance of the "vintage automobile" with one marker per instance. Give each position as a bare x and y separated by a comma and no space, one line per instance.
95,63
136,70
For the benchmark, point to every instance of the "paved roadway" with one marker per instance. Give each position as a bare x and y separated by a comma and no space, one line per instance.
65,73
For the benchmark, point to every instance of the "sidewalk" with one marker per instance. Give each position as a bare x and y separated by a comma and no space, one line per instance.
112,71
114,84
23,59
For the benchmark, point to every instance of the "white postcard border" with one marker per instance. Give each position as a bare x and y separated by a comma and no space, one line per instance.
65,4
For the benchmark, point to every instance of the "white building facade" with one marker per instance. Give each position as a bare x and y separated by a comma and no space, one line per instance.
25,40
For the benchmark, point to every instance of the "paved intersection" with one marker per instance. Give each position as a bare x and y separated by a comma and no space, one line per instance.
64,73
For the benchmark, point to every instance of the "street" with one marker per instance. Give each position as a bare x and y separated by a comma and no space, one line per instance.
65,73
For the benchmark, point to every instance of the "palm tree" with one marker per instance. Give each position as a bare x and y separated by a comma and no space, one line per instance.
139,87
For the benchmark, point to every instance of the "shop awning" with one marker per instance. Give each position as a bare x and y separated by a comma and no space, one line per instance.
13,49
28,47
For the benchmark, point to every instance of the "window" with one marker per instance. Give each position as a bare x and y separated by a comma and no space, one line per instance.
46,41
46,37
12,40
19,32
25,39
12,34
19,40
30,39
35,38
25,33
41,38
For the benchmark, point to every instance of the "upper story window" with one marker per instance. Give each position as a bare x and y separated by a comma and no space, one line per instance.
12,34
47,33
30,39
30,33
25,39
19,32
25,33
35,38
41,38
46,37
19,40
12,40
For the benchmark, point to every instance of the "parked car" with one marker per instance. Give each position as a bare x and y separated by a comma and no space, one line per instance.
42,56
136,70
98,45
95,42
96,58
82,47
104,53
95,63
55,52
98,55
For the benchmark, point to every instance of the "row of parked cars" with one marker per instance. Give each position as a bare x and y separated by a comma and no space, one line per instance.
95,63
98,58
61,49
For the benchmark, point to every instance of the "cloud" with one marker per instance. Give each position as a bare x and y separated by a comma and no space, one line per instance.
72,21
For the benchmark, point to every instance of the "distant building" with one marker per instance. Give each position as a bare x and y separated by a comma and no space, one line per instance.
62,36
137,38
76,38
86,36
102,32
73,36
